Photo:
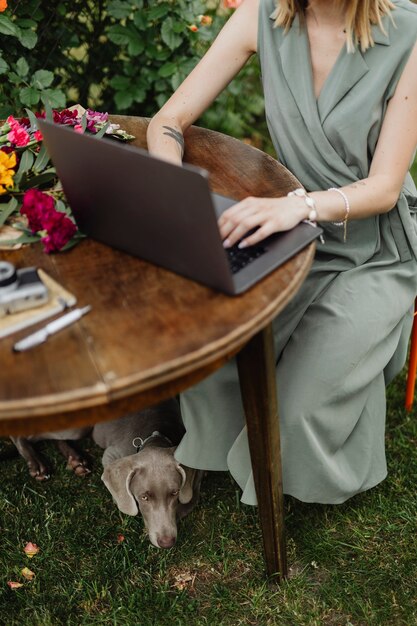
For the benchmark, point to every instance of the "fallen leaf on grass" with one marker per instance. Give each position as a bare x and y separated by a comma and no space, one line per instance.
120,538
31,549
14,585
27,573
182,580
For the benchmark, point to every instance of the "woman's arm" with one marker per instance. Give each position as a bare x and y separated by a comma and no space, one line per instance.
378,193
233,46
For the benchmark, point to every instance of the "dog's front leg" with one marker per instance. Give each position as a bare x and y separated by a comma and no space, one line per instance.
75,461
37,468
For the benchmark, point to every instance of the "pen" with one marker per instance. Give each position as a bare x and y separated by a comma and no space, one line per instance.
40,336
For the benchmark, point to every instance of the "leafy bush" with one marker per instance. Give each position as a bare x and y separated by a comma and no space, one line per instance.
122,56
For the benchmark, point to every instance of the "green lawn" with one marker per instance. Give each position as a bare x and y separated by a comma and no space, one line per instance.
351,565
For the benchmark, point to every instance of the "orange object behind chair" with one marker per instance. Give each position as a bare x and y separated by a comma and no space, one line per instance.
412,365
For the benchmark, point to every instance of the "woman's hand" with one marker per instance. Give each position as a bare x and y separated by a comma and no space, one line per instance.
266,215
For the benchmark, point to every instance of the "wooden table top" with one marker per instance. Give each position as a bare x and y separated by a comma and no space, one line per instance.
151,333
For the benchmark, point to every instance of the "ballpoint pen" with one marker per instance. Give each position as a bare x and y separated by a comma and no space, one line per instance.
40,336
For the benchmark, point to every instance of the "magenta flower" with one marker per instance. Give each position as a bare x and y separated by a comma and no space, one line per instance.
60,230
40,211
66,116
36,206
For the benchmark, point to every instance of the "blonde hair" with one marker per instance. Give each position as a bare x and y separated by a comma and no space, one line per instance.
360,16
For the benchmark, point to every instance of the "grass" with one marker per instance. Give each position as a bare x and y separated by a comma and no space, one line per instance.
352,564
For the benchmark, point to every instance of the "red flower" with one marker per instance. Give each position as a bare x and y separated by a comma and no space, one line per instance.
66,117
37,206
38,135
60,230
40,210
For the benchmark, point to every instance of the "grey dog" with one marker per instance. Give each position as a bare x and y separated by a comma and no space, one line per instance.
140,470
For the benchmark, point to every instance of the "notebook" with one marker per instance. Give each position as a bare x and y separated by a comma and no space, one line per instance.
161,212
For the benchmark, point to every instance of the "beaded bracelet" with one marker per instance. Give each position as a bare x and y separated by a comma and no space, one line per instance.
301,193
347,210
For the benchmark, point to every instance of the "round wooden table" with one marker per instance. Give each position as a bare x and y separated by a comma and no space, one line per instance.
152,333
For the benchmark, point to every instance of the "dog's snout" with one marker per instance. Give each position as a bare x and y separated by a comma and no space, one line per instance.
166,542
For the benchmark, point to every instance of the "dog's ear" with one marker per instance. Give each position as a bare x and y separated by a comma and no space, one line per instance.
186,489
117,477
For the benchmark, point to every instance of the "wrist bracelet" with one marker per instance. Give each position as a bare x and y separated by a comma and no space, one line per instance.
301,193
347,210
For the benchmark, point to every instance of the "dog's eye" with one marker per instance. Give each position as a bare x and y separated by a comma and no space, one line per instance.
144,498
175,493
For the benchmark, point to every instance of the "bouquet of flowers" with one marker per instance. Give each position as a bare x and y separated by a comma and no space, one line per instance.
32,203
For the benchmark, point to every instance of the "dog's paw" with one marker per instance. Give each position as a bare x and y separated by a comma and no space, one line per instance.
78,465
39,472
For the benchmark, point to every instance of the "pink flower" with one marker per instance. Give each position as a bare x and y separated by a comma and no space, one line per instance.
18,135
78,129
96,116
38,135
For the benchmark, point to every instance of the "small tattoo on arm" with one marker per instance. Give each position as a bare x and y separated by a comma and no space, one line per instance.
177,135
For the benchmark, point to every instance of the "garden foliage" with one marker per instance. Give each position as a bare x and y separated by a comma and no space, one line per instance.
121,56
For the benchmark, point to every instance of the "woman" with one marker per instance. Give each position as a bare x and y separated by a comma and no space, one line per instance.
340,85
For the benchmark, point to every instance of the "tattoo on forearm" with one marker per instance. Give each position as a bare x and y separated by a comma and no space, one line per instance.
177,135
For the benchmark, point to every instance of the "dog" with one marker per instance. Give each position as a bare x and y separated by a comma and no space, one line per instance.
140,470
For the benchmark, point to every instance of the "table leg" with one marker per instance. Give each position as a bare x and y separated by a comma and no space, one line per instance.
256,365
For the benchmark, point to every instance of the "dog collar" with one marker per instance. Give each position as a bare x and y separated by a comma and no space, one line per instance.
140,443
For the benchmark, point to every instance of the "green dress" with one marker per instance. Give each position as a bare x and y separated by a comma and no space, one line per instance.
345,334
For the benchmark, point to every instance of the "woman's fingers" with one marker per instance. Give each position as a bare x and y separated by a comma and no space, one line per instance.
245,217
253,219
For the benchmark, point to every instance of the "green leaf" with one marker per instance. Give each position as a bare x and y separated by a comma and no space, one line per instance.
140,21
102,131
158,11
172,40
25,238
49,116
29,95
22,67
119,9
32,119
118,34
28,38
26,23
55,97
7,209
42,160
26,162
7,27
61,206
167,69
73,242
42,79
136,45
120,83
123,99
46,177
3,66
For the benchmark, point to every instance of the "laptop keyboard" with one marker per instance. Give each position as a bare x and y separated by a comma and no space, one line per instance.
240,258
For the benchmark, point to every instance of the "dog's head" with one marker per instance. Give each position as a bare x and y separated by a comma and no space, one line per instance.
155,484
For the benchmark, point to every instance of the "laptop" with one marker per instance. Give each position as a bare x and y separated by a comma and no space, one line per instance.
158,211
